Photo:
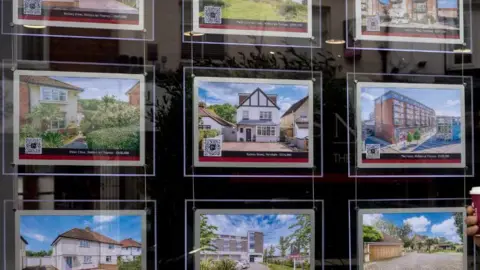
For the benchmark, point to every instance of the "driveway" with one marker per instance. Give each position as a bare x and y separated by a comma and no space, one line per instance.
257,266
255,147
420,261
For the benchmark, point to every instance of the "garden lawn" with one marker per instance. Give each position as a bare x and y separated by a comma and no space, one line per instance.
280,267
259,10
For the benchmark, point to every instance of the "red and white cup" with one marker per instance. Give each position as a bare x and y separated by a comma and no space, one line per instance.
475,193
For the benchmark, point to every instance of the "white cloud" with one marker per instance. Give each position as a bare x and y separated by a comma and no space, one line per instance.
284,218
451,103
367,96
370,219
447,227
447,113
419,224
36,236
103,219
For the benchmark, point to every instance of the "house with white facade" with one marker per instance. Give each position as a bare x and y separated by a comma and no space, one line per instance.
38,90
131,249
295,123
208,119
84,249
258,117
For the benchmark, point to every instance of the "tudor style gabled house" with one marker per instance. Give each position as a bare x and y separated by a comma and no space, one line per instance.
258,117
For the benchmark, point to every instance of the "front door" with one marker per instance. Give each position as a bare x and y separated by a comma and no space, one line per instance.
68,262
249,134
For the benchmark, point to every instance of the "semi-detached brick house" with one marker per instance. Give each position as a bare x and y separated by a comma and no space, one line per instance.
134,95
236,247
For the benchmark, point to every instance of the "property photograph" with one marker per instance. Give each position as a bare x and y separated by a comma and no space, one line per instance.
241,122
85,119
70,241
103,14
433,21
282,18
256,240
412,239
410,124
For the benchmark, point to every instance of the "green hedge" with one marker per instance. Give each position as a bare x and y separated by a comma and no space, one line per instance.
125,138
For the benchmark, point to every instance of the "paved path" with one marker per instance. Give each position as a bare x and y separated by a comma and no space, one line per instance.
420,261
255,147
257,266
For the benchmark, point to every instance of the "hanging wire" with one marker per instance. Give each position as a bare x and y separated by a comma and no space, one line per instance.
312,39
355,119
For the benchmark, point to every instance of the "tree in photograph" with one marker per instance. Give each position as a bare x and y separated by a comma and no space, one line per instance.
409,137
416,135
459,223
404,232
207,234
371,234
386,227
41,253
265,255
303,232
43,114
271,251
226,111
283,244
429,243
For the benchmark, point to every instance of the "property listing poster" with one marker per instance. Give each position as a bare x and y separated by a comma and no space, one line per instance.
412,238
402,125
80,239
243,122
104,14
72,118
255,239
292,18
427,21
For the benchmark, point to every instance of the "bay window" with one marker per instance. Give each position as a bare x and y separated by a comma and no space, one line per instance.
266,131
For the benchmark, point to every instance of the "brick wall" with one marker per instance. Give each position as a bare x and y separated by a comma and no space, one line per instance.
24,101
134,96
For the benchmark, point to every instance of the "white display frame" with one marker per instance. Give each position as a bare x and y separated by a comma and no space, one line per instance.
16,126
195,121
20,213
359,143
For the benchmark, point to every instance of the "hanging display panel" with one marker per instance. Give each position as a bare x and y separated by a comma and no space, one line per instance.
277,23
433,25
407,125
67,118
251,137
237,122
276,235
112,19
411,125
84,234
410,234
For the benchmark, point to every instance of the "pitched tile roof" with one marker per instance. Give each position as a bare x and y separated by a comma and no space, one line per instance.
47,81
295,106
272,98
130,243
204,112
81,234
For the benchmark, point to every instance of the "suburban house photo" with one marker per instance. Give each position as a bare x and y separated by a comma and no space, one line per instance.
72,113
252,117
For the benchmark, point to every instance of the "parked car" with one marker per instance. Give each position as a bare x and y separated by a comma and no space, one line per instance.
245,263
239,265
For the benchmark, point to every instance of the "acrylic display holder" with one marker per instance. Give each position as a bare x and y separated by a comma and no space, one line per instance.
404,168
306,170
194,208
410,26
370,211
20,216
78,24
144,73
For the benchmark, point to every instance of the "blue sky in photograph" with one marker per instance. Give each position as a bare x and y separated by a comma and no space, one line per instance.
385,2
96,88
445,102
41,231
227,92
447,4
440,224
273,226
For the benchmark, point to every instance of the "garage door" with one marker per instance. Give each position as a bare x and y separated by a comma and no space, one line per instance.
384,252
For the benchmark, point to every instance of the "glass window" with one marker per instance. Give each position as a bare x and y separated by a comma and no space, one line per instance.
108,259
84,243
87,259
245,115
110,246
265,115
53,94
58,123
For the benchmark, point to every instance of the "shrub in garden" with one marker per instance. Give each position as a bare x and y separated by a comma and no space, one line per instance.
290,9
52,139
206,264
207,133
123,138
225,264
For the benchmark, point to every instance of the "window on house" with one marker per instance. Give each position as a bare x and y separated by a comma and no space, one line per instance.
204,127
138,249
58,123
245,115
266,131
110,246
265,115
84,243
108,259
53,94
87,259
241,130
